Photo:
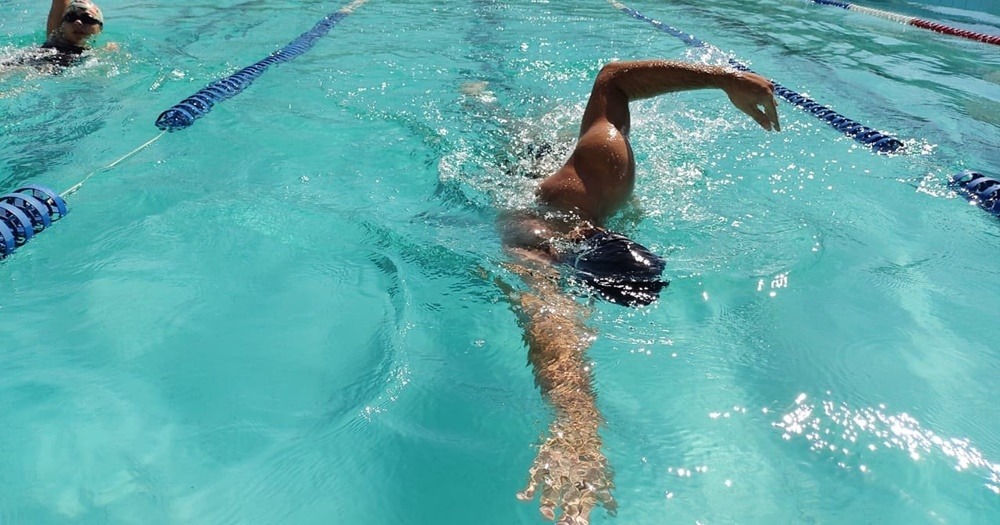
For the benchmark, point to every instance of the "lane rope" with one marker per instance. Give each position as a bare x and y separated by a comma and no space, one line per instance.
72,189
184,113
877,140
978,189
914,21
975,187
32,208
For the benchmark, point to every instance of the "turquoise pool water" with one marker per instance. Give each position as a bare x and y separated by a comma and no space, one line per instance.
279,315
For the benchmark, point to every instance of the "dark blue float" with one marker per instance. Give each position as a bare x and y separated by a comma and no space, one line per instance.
978,189
25,212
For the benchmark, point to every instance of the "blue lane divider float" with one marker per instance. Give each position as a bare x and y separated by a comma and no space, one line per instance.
25,212
878,141
978,189
185,112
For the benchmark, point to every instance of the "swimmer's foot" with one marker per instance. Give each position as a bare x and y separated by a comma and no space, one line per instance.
474,87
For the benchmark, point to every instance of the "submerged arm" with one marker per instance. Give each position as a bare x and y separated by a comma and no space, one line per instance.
557,342
570,469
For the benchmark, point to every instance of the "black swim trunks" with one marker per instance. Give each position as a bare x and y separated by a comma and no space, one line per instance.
617,268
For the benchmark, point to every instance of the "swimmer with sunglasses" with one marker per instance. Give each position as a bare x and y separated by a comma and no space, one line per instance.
71,25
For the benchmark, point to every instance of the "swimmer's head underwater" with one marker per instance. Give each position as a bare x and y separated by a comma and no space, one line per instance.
617,269
608,264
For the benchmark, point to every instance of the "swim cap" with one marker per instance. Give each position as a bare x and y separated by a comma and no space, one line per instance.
618,269
87,7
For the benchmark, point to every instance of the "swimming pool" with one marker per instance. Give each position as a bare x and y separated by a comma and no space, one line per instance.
279,315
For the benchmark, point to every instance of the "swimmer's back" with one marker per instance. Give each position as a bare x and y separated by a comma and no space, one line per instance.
46,58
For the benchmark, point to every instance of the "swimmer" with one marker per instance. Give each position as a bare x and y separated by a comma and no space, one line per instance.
567,232
71,25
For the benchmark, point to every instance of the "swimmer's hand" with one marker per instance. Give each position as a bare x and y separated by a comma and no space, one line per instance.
111,46
573,475
750,92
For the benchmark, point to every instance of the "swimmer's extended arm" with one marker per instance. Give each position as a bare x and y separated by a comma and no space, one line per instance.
56,13
570,472
618,83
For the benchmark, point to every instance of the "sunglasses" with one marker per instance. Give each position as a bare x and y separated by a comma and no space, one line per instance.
83,17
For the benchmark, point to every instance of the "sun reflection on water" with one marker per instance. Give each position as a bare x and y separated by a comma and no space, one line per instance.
845,432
